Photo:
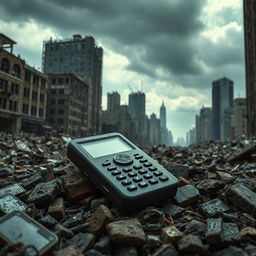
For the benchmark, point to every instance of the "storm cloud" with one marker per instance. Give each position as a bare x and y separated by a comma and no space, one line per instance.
171,42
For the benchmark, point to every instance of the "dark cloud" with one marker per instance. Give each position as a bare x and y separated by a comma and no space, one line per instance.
156,34
228,50
161,39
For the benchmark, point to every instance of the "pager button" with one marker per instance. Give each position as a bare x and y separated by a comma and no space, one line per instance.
123,159
137,179
127,169
143,171
137,167
112,168
153,181
147,164
143,184
132,174
164,178
116,172
126,182
106,163
132,187
121,177
157,173
152,168
148,176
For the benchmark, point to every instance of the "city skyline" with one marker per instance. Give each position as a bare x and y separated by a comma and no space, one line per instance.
174,51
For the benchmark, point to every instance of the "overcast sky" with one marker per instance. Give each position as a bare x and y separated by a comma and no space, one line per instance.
172,49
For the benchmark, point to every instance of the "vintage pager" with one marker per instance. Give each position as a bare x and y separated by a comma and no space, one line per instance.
127,175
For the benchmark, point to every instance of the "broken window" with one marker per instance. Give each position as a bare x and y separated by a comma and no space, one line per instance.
16,70
5,65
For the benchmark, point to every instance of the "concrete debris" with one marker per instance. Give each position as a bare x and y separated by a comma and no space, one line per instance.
212,213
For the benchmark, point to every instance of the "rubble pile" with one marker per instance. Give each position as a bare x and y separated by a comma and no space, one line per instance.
213,212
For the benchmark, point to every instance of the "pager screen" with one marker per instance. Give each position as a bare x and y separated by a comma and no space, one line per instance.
16,229
106,147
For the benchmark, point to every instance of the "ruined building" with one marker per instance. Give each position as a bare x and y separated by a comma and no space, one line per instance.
23,92
83,58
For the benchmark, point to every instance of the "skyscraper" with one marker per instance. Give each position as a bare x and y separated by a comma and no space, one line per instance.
250,57
82,57
113,101
165,135
239,118
137,110
137,104
204,125
163,116
222,106
154,131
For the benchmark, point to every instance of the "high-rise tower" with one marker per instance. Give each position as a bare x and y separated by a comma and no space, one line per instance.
250,61
113,103
137,110
163,116
222,106
137,104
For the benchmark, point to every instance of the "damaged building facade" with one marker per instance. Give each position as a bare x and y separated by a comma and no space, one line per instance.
67,107
23,92
82,57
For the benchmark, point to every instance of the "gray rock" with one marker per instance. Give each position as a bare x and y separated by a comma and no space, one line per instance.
196,227
213,208
186,195
177,170
44,193
6,171
231,251
166,250
249,183
173,210
48,221
243,198
83,241
32,181
192,244
209,186
230,233
104,245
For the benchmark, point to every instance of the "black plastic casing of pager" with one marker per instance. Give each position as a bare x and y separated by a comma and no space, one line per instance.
126,174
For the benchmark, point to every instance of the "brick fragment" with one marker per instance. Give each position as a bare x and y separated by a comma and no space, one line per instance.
127,232
77,186
170,234
57,209
99,219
